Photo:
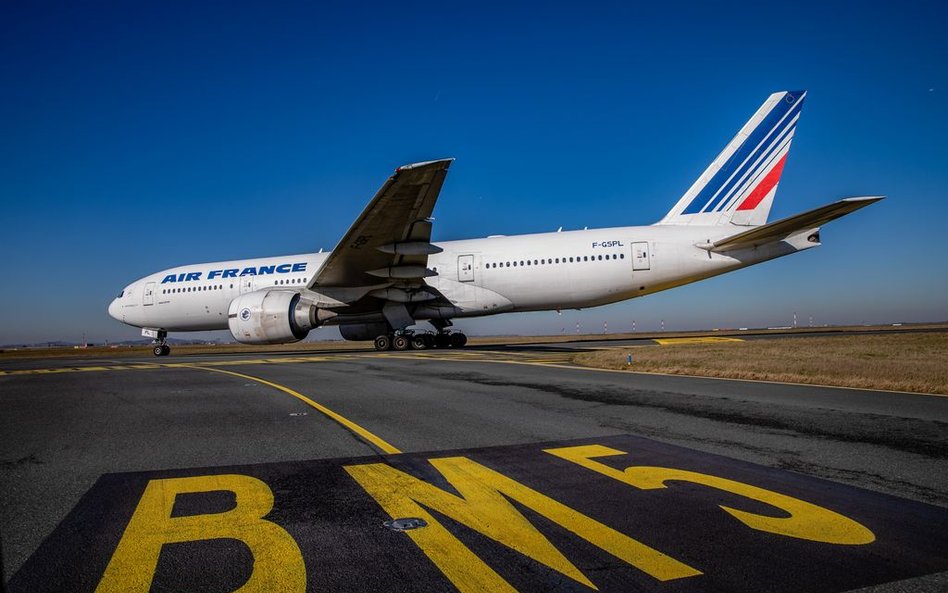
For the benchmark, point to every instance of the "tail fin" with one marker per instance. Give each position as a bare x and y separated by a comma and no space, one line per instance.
739,186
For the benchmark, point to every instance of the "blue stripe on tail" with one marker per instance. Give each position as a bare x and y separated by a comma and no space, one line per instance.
789,103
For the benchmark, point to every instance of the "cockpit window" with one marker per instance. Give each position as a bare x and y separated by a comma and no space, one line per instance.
121,294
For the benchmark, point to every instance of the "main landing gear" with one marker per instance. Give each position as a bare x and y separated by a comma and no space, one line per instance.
405,340
159,347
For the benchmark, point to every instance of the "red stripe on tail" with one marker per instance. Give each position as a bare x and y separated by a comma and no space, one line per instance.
764,187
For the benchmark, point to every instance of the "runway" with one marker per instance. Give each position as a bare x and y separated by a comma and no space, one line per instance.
83,439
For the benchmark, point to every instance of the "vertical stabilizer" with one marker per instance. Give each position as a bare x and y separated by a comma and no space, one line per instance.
739,186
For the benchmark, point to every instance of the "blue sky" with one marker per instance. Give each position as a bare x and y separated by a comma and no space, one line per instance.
138,137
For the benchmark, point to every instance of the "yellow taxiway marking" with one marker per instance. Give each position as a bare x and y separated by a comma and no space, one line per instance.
709,340
378,441
174,365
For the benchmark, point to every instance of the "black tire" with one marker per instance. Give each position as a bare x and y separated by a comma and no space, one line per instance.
429,341
383,343
419,342
166,350
400,343
158,350
463,340
442,341
458,340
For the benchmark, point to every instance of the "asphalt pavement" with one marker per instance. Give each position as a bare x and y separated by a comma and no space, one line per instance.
84,443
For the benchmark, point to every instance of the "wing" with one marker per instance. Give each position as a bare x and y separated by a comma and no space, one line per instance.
781,229
391,240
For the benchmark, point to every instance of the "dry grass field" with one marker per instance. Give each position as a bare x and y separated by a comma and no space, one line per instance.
916,362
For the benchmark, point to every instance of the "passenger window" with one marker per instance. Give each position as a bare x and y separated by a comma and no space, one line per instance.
621,256
600,258
534,262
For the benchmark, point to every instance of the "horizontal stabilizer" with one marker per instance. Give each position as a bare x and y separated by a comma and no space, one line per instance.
781,229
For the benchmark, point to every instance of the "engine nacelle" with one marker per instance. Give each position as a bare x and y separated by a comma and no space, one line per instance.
364,331
270,317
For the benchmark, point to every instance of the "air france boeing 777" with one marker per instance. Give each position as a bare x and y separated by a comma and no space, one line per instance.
385,275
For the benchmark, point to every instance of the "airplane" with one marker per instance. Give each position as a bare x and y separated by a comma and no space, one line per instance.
386,274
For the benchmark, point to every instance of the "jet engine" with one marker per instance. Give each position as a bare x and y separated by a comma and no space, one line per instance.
273,317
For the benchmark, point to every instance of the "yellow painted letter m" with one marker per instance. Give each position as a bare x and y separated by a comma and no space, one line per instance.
483,507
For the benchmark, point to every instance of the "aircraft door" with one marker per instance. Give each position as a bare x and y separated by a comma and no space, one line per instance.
148,295
640,257
465,268
246,284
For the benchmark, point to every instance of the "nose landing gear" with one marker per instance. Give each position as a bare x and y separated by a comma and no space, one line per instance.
159,346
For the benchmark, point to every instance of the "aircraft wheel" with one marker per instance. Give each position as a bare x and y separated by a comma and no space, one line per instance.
159,350
166,350
442,341
458,340
383,343
429,341
419,342
400,343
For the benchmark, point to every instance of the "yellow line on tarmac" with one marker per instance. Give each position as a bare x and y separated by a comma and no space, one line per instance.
706,340
379,442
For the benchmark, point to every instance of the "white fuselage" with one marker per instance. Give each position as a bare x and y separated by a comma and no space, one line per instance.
548,271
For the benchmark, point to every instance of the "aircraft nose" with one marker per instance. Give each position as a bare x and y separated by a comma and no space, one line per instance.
114,309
